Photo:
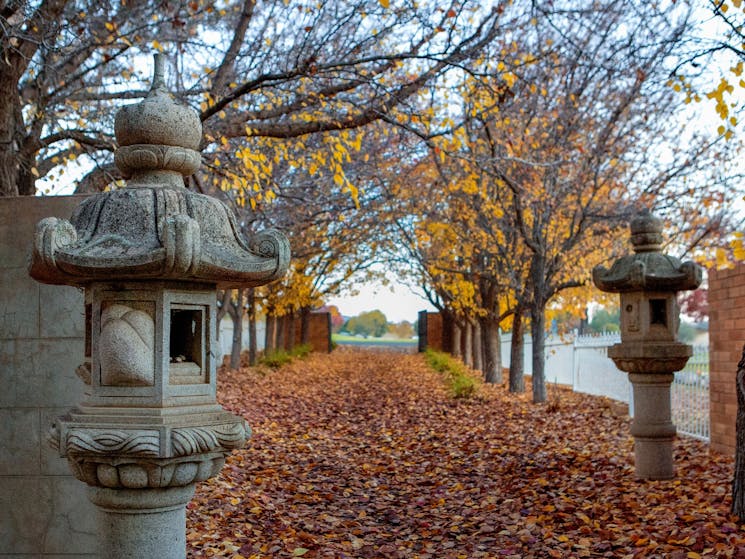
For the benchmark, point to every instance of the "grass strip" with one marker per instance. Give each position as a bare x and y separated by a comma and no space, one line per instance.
455,373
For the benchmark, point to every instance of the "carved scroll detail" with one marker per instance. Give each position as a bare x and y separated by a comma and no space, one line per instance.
117,442
195,440
272,244
51,234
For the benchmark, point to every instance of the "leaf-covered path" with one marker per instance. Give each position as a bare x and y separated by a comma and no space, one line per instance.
362,454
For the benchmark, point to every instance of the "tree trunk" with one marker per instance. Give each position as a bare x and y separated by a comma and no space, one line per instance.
478,350
738,482
9,159
456,337
223,298
517,358
270,339
252,342
445,343
291,330
281,325
492,355
236,313
468,343
305,325
538,333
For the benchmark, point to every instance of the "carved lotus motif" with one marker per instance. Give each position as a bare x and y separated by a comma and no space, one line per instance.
114,473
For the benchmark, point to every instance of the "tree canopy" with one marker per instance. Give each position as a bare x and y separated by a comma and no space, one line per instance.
492,153
258,72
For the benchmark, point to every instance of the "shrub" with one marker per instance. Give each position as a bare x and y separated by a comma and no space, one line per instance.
455,373
275,359
301,351
279,357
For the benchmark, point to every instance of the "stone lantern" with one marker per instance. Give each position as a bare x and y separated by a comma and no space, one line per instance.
648,282
151,257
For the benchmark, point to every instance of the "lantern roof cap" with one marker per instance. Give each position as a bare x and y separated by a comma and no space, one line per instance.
648,269
155,228
158,119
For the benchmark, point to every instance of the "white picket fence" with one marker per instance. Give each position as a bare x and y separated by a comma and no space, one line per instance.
690,395
225,336
582,362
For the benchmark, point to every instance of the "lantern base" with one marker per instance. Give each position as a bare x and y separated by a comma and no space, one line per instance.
653,458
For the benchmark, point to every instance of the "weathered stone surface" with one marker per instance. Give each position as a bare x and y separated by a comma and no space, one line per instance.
647,269
19,431
26,512
63,315
155,232
126,346
51,463
650,357
40,372
19,305
158,119
70,530
136,521
155,228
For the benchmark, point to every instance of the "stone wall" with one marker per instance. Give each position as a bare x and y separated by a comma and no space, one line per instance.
43,510
726,339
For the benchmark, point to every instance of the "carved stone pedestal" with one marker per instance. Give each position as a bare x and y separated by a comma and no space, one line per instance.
651,366
652,427
142,522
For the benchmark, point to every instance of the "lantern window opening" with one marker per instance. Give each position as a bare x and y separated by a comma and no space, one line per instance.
658,311
186,350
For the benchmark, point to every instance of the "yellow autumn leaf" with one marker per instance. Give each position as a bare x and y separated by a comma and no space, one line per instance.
385,3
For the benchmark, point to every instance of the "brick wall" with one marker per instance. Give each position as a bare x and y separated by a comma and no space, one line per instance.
319,331
431,331
727,336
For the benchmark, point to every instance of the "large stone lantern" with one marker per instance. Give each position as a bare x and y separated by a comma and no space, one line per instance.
648,281
151,257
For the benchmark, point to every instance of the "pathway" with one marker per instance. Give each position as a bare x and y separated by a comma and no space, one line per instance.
360,455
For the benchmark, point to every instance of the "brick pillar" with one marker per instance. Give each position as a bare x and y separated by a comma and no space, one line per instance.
726,339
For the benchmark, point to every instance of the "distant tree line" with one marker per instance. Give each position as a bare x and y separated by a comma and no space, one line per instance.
375,324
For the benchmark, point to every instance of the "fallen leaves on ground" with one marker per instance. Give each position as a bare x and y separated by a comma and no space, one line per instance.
365,455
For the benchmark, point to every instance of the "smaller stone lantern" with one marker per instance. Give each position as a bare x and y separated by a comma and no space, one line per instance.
648,282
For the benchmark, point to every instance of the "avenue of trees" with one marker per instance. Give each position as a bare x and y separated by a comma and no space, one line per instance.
491,153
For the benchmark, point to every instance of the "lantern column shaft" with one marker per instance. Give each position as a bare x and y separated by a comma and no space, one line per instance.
142,522
652,427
